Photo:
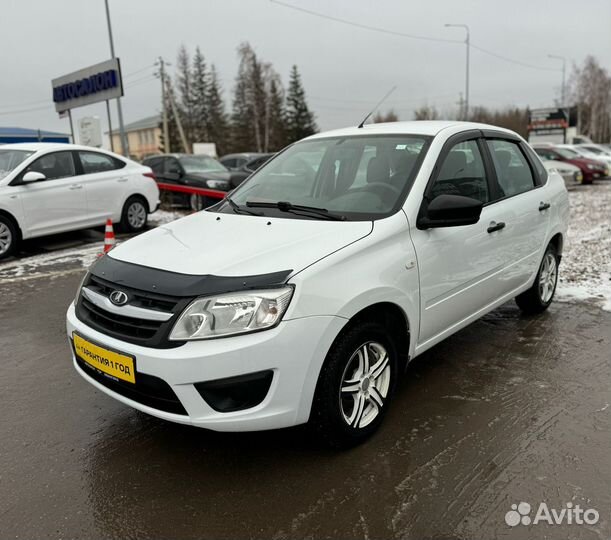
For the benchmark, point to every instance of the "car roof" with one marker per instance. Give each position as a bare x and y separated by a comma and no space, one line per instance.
415,127
45,147
246,155
176,155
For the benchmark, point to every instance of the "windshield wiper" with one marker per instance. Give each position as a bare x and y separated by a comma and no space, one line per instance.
240,209
285,206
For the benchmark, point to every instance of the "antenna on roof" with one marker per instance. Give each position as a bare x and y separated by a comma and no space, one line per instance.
377,105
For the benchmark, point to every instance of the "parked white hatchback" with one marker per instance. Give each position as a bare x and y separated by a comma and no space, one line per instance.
48,188
303,295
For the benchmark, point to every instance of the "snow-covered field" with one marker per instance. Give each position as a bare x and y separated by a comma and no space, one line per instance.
585,273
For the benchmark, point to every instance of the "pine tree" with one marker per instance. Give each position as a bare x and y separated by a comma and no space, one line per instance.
276,139
217,124
199,98
241,114
300,120
184,84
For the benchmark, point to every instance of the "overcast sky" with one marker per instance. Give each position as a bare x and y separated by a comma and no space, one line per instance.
345,69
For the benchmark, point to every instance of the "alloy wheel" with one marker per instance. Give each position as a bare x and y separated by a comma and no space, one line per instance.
6,238
365,385
136,215
547,278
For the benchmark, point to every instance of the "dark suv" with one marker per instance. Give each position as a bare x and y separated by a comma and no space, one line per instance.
190,170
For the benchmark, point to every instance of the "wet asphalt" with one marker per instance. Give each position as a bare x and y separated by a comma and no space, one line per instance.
510,409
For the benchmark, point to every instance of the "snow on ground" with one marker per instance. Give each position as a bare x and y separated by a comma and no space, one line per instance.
585,272
161,217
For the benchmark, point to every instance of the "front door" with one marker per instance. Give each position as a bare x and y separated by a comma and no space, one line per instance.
459,267
57,203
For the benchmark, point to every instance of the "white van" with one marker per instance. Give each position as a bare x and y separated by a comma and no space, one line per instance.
304,294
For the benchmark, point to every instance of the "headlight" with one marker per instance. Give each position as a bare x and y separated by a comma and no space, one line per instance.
230,314
591,167
217,184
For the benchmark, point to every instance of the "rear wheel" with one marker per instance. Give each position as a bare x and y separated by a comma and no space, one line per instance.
8,237
540,295
199,202
134,215
355,385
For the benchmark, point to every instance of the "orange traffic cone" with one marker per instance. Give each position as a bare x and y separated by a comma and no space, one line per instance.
109,237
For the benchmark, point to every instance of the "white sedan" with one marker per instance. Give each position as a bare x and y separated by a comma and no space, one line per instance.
48,188
571,174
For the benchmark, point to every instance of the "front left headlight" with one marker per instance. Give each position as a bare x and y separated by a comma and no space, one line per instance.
231,314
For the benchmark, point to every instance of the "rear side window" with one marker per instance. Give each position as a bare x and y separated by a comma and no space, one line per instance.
462,172
54,165
154,163
513,172
92,162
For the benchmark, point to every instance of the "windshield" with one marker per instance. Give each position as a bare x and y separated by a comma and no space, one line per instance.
201,164
566,153
9,159
359,177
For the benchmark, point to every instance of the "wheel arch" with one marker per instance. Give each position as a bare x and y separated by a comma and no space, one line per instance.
13,219
392,316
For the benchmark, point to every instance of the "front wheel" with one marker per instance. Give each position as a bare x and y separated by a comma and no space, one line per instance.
8,237
540,295
355,385
134,215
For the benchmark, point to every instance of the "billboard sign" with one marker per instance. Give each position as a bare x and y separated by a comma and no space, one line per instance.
90,131
92,84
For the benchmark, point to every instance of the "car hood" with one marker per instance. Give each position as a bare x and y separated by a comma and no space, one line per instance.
584,162
560,165
239,245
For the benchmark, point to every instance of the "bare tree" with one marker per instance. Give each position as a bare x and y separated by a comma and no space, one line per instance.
389,116
426,112
590,90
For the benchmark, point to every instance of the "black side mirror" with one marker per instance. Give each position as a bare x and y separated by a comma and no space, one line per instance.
449,211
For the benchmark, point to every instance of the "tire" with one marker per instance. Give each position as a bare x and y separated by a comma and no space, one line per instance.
540,295
9,237
345,418
199,202
134,215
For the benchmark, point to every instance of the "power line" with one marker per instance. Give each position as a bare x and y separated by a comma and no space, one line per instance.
131,74
4,113
511,60
410,36
364,26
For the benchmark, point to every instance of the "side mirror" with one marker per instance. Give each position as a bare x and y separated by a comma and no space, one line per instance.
32,176
449,211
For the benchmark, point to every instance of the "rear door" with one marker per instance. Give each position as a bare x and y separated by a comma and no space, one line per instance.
522,205
105,181
57,203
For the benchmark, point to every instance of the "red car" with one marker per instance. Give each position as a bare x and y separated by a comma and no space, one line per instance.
590,168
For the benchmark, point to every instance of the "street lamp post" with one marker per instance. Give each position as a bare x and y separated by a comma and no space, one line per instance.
563,88
123,136
468,44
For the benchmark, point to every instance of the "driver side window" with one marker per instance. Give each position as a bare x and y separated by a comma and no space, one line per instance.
462,173
53,166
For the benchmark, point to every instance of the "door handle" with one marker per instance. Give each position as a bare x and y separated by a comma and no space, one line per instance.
543,206
122,179
76,186
494,226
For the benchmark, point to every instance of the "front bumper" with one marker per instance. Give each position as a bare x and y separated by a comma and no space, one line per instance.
294,351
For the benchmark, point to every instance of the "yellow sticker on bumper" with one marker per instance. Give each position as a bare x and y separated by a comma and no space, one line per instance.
115,364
